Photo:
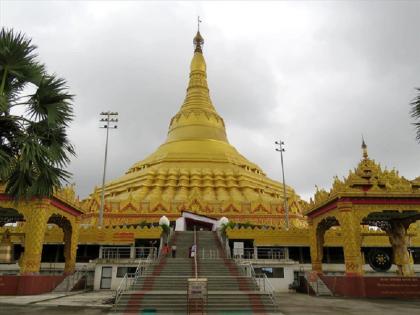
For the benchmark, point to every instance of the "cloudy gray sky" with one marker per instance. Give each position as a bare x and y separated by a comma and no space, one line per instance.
318,75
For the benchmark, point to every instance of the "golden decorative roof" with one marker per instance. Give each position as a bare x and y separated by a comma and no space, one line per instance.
367,179
196,168
66,194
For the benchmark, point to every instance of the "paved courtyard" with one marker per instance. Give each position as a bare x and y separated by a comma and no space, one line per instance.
94,303
49,310
302,304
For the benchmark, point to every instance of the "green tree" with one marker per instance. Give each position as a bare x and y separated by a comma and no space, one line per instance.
35,110
415,113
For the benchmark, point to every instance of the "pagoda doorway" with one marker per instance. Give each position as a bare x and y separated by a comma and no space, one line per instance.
190,224
189,220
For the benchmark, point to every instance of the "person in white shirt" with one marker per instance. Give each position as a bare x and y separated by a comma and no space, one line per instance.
193,250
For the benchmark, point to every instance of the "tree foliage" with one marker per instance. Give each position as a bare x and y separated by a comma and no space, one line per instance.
415,113
35,110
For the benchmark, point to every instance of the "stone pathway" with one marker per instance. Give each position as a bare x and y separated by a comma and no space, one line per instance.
78,300
302,304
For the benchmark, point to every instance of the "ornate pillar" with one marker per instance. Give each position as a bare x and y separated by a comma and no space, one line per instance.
352,240
71,239
316,242
35,225
397,233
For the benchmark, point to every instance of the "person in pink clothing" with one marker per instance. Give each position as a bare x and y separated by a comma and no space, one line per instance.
165,249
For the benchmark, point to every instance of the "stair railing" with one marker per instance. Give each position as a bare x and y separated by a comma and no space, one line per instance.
261,280
209,253
123,287
71,282
224,242
317,284
267,287
171,234
68,283
131,278
195,253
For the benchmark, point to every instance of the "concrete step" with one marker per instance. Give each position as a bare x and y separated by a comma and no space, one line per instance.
137,309
231,300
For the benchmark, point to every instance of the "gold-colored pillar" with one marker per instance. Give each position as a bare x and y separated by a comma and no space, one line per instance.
71,239
352,240
6,249
316,242
35,225
399,242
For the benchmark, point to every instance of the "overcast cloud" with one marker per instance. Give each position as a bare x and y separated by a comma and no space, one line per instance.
318,75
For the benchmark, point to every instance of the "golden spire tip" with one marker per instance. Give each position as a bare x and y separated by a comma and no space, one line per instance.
198,39
364,148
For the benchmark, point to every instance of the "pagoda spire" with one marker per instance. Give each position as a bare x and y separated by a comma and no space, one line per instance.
198,39
197,118
364,149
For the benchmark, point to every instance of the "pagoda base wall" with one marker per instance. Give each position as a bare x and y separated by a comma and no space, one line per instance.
373,287
29,284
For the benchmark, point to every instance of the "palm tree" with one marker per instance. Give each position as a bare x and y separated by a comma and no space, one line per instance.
415,113
35,110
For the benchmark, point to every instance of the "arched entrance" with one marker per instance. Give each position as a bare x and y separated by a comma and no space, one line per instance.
350,234
69,240
189,220
11,222
317,230
32,218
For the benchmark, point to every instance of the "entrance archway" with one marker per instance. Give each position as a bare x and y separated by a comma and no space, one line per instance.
190,224
317,234
69,240
189,220
33,216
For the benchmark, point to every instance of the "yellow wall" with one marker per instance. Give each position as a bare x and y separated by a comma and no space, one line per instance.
92,235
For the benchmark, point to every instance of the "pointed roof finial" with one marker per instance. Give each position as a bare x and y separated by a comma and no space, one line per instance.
364,149
198,39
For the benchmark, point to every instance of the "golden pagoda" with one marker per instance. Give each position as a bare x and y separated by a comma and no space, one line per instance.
195,170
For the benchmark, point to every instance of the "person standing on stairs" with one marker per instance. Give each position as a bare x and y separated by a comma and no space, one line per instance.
173,248
193,250
165,249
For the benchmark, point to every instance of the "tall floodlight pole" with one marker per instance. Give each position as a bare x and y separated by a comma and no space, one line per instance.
108,120
280,149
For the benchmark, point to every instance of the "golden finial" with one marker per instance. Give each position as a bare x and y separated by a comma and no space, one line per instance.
364,149
198,39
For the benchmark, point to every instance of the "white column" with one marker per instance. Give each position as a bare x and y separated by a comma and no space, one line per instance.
286,253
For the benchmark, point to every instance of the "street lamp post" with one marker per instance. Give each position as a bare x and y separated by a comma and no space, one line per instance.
281,149
108,120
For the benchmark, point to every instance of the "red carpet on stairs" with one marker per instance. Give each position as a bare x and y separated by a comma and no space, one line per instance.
255,300
133,305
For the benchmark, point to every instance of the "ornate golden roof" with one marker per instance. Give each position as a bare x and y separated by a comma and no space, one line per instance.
196,168
367,179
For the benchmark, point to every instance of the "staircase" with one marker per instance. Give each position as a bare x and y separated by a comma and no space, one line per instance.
318,286
73,281
163,288
229,289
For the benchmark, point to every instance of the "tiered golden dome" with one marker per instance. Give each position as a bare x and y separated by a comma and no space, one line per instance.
196,169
